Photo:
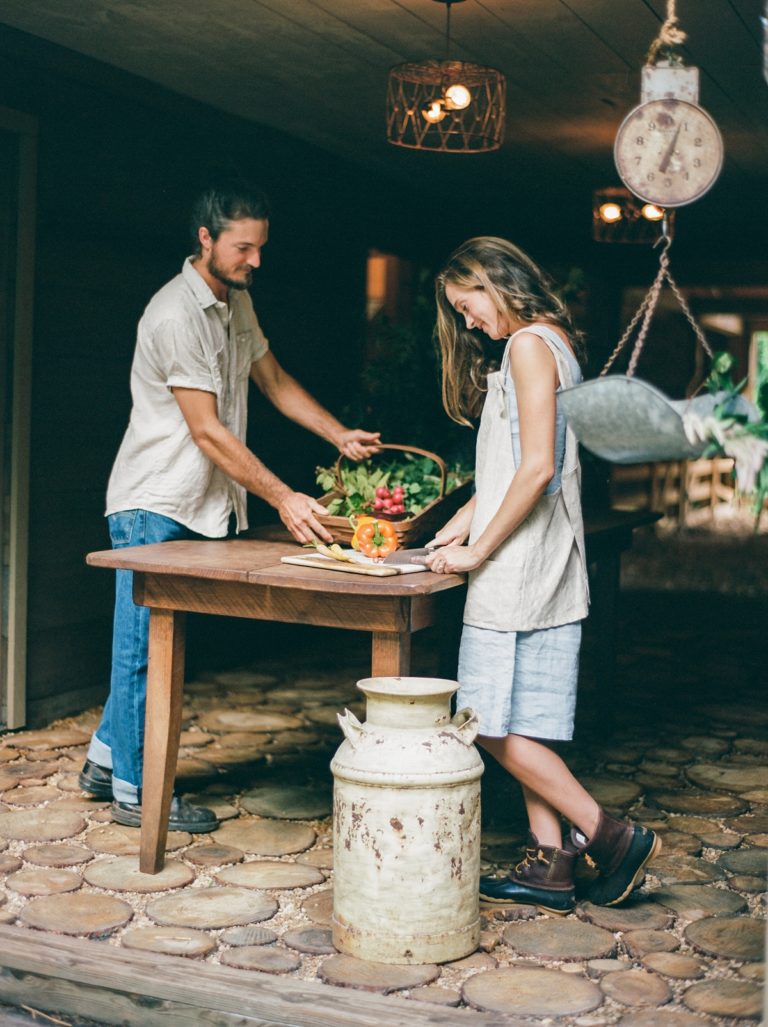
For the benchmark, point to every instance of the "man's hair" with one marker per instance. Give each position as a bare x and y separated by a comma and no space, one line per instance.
223,203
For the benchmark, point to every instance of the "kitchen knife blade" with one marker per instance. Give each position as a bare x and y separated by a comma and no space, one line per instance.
418,556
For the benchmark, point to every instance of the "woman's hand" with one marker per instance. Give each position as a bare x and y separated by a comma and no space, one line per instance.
454,560
456,531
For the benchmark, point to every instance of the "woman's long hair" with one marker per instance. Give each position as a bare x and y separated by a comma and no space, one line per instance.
517,288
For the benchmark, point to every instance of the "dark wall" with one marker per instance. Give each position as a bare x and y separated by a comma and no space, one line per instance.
119,163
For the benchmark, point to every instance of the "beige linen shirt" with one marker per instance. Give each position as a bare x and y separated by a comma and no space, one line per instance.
186,338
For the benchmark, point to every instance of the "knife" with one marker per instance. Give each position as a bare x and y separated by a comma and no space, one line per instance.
418,556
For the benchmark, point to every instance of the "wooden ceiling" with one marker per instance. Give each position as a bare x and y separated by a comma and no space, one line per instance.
317,69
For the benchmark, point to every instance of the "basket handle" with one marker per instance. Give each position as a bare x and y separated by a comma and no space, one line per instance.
404,449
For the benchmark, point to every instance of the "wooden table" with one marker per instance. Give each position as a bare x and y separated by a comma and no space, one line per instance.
245,578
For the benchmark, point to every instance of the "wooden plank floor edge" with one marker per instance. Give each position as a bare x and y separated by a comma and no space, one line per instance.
96,980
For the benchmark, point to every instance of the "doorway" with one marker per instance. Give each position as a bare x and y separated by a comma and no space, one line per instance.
18,141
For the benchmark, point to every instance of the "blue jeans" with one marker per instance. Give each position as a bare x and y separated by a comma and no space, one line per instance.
118,742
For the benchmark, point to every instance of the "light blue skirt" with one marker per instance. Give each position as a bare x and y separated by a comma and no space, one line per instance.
521,682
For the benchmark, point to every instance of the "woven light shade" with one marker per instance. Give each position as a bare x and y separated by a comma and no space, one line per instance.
424,87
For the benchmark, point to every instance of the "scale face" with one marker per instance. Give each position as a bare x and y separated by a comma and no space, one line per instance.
668,152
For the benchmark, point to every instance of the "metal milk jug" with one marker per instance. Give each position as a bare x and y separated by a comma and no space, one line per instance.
406,825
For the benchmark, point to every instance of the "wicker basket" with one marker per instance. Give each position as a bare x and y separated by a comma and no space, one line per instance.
411,530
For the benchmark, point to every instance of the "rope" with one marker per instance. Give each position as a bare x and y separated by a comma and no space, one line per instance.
670,35
645,311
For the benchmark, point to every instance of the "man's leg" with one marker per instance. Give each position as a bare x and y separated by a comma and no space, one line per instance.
118,742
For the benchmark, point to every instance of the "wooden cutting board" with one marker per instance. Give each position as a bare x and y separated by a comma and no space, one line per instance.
338,565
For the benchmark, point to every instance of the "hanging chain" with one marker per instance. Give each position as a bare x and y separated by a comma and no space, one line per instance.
646,309
669,37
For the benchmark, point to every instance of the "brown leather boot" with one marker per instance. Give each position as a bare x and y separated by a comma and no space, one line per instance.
544,878
620,851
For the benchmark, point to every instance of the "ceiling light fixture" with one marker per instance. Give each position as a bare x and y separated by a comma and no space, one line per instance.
446,105
619,216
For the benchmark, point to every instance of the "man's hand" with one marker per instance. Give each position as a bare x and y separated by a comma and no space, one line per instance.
298,514
358,444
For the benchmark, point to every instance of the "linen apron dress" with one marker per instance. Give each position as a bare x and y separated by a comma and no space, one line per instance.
518,660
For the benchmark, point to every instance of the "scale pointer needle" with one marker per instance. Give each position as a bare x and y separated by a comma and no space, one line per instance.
669,151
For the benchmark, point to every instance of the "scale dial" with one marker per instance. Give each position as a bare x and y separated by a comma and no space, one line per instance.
668,152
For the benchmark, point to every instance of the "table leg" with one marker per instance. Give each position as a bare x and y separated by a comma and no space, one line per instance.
391,654
165,687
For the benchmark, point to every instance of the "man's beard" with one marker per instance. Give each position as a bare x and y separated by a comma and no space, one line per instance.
232,283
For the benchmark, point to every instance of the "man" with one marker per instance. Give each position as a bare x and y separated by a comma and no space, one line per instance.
183,468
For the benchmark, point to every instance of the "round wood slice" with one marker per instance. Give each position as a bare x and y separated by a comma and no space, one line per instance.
740,937
699,804
245,720
271,874
66,855
673,964
9,863
630,917
685,870
292,741
754,746
252,740
239,678
224,810
759,795
751,823
655,768
82,803
600,967
213,855
51,738
117,840
725,998
171,941
693,825
11,774
328,715
43,881
321,858
746,861
724,840
669,754
266,960
348,972
611,791
35,796
436,995
559,939
194,739
753,885
660,1018
190,769
727,777
752,971
475,961
694,901
531,992
248,935
40,825
266,837
8,755
209,908
77,913
760,840
289,802
315,941
69,783
677,843
636,988
122,874
319,907
640,943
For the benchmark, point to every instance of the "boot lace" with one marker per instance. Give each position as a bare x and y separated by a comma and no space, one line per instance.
531,856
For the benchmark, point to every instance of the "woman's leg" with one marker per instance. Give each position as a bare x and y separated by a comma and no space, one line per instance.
552,786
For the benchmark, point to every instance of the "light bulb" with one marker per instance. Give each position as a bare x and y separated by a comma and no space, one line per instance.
433,112
610,212
651,212
458,96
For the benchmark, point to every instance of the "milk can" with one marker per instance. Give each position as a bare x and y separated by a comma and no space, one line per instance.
406,825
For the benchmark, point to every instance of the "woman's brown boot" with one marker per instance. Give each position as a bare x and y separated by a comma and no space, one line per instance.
620,851
544,878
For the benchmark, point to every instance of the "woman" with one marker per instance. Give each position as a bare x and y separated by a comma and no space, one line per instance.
528,592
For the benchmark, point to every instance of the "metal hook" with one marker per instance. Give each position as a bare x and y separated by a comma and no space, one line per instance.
665,237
